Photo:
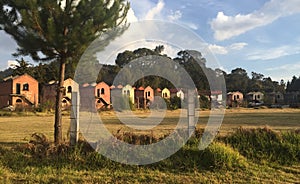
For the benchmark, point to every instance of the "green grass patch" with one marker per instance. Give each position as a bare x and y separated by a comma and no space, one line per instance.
247,155
39,161
266,145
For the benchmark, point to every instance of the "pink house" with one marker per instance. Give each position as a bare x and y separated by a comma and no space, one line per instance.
19,92
149,94
102,95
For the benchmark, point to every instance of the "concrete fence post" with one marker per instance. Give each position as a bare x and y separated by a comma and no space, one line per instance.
74,127
191,111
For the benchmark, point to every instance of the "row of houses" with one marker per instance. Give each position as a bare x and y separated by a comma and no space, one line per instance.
140,97
23,91
272,99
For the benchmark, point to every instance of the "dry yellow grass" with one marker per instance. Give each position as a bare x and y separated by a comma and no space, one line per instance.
17,129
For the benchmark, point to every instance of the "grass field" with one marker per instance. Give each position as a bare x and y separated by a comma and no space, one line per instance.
18,167
18,128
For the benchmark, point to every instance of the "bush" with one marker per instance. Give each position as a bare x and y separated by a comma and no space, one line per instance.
204,102
175,103
221,156
264,144
48,106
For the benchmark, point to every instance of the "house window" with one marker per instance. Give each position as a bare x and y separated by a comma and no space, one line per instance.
98,92
128,92
165,95
237,97
69,89
25,87
278,96
102,91
18,90
18,101
258,96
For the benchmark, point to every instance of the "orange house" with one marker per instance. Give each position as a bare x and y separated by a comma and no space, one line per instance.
19,92
102,95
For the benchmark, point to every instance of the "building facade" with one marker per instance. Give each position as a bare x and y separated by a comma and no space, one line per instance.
19,92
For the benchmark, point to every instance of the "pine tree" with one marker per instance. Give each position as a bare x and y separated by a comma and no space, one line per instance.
59,30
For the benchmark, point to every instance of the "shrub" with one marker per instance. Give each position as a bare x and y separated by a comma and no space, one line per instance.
175,103
47,106
221,156
264,144
217,156
204,102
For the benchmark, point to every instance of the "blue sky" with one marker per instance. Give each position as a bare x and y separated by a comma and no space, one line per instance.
257,35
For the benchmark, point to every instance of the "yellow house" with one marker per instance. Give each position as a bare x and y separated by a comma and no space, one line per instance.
129,92
165,93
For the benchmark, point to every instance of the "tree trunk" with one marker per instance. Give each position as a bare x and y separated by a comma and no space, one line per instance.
58,105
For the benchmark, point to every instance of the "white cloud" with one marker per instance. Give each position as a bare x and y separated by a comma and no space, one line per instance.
147,10
191,25
285,71
12,64
273,53
152,13
238,46
226,27
175,15
222,50
131,16
216,49
288,67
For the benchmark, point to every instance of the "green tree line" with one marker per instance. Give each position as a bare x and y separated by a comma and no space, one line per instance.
237,80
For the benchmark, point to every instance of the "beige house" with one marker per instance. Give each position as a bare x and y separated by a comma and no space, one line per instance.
49,92
235,99
255,98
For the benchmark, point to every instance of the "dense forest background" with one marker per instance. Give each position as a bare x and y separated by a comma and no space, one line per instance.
237,80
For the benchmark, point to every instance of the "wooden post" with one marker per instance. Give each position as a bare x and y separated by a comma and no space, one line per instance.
191,111
74,127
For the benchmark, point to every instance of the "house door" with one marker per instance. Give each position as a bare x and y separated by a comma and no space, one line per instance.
18,88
